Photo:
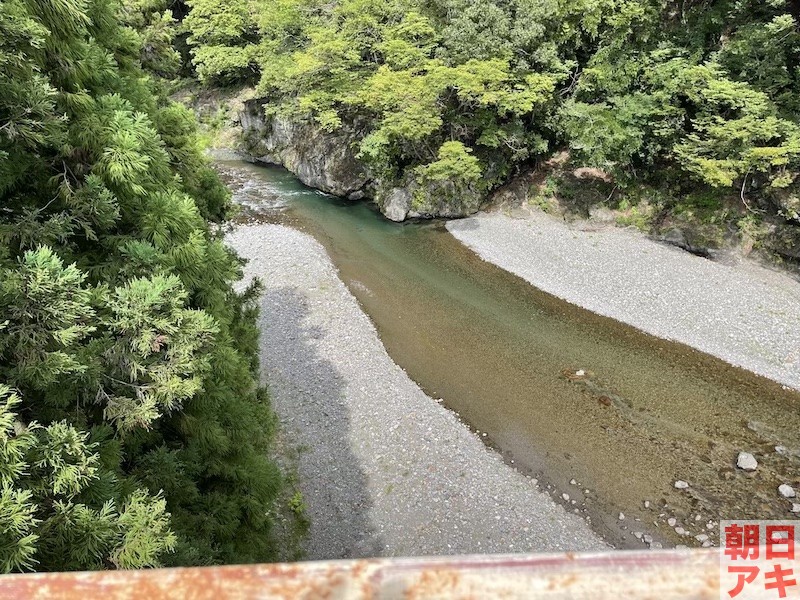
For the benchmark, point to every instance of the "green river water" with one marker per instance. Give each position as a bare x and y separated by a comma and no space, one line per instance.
503,355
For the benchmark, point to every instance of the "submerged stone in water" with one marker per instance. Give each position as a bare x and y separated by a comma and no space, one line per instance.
605,401
786,491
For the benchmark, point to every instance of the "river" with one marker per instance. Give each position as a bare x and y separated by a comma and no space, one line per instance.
606,417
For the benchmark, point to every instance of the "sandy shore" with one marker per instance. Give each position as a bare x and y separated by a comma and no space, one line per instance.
746,315
385,470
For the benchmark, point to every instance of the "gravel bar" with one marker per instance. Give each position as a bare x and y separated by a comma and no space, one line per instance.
384,469
744,314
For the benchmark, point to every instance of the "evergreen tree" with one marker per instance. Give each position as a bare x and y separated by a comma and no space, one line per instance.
133,431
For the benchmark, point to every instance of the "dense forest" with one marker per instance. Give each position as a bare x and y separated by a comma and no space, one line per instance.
133,429
691,104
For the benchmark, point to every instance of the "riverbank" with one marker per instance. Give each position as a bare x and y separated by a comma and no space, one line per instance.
744,314
385,470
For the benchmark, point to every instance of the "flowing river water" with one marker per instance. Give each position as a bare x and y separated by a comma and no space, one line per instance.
605,417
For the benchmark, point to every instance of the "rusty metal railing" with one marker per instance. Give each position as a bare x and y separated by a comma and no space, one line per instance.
662,575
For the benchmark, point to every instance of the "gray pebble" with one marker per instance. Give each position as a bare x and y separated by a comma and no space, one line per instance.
746,461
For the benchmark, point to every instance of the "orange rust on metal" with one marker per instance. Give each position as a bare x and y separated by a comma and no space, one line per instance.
663,575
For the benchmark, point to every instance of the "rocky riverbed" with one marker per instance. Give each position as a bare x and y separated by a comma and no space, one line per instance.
385,470
640,436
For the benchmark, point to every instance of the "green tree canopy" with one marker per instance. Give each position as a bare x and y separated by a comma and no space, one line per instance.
700,92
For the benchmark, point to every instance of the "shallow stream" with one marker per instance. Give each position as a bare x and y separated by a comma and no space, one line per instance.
605,417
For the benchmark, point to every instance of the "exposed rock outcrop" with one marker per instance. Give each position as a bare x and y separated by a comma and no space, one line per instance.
322,160
435,199
328,161
396,203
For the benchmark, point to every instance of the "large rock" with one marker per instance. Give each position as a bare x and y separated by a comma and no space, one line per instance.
444,199
436,199
396,203
328,161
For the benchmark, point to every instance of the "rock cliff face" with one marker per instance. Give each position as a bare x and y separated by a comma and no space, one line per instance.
322,160
328,162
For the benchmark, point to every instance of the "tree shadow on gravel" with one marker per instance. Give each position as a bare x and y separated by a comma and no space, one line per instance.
308,396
